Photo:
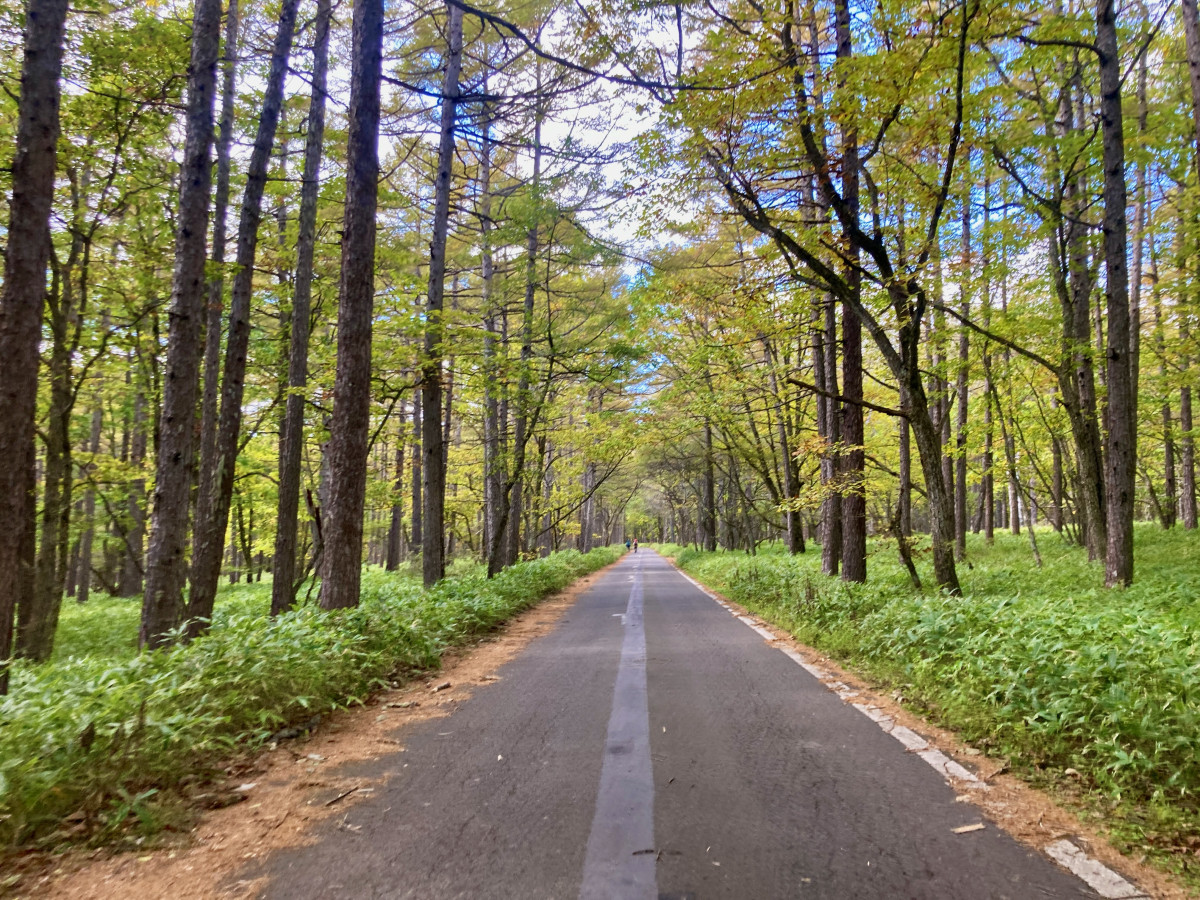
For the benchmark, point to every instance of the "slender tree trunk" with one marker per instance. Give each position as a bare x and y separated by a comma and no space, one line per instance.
343,517
1056,475
417,507
493,464
1121,450
166,564
34,611
507,539
1187,488
831,511
1140,215
854,499
708,511
395,542
89,524
21,302
961,387
988,481
291,439
904,503
211,392
433,561
135,537
217,471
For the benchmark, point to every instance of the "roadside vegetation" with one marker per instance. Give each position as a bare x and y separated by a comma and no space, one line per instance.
102,737
1094,693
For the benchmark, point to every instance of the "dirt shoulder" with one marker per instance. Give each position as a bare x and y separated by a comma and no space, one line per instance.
290,788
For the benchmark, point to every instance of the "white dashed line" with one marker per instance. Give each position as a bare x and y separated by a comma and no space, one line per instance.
1103,880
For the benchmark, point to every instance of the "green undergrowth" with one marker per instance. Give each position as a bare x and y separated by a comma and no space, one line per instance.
90,741
1043,666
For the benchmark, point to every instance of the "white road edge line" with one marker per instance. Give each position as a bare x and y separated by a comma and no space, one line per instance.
1099,877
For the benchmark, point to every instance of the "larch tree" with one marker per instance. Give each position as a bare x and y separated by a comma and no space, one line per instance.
350,423
26,251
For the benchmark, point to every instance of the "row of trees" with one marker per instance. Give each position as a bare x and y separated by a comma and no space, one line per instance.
877,227
410,342
969,185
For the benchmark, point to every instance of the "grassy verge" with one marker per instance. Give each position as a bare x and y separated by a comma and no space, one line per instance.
90,740
1094,691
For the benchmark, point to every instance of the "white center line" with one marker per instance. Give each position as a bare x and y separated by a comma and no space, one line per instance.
615,864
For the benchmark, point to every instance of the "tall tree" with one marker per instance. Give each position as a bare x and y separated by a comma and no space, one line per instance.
166,563
1120,456
216,473
291,440
28,244
350,425
433,560
854,500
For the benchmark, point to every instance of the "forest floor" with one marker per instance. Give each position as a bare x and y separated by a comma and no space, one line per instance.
285,791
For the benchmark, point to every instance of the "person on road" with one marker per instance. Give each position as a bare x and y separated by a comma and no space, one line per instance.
627,545
635,545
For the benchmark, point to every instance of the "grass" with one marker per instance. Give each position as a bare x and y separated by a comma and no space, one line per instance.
102,736
1043,666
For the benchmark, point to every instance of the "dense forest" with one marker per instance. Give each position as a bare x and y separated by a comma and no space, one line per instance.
294,287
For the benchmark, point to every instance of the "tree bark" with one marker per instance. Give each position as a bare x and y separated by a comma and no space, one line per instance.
395,542
166,564
961,387
24,292
853,460
1187,487
135,536
708,511
1121,450
433,560
416,537
217,471
831,510
343,517
211,390
291,438
34,612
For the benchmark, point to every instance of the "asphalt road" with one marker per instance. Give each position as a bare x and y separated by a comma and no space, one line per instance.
653,746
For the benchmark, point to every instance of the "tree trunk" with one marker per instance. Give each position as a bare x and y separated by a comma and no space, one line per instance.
211,391
89,522
343,516
853,490
831,510
217,471
961,388
135,537
1121,449
291,438
395,542
166,564
24,291
1187,487
416,538
34,612
708,511
433,561
506,542
493,464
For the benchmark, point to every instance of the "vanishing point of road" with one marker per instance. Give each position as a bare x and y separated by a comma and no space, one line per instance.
654,746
